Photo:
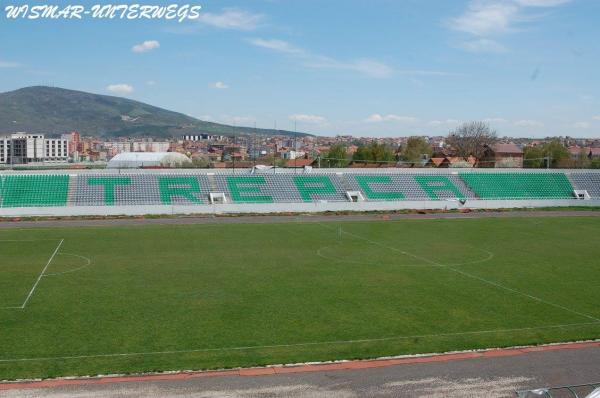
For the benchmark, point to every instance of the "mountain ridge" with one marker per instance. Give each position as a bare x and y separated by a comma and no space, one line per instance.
54,110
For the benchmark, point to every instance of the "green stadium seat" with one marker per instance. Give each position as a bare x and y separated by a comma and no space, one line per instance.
34,190
519,185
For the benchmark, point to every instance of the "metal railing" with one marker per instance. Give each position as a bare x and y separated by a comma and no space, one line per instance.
591,390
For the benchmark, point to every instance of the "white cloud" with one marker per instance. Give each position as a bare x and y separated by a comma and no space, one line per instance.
310,119
377,118
541,3
234,120
418,72
7,64
232,18
367,67
495,120
582,125
597,117
151,83
483,46
447,122
487,19
364,66
219,85
484,18
146,46
528,123
277,45
120,88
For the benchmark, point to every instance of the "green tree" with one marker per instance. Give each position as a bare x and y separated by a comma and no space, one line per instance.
557,152
337,156
374,152
533,157
414,149
537,156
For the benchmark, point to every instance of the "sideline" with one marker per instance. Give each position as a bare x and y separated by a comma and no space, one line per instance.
300,368
291,218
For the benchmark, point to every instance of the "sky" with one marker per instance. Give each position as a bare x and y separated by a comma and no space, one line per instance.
361,67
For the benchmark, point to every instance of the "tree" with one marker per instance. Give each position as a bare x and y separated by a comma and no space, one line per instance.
537,156
534,157
271,160
583,161
414,149
472,139
557,152
374,152
200,162
337,156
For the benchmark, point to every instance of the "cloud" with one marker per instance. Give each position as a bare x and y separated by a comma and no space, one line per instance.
541,3
120,88
219,85
278,45
364,66
418,72
146,46
377,118
7,64
597,117
231,120
310,119
447,122
483,46
151,83
484,20
367,67
582,125
232,18
495,120
528,123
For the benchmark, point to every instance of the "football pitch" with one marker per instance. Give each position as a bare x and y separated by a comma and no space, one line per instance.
127,299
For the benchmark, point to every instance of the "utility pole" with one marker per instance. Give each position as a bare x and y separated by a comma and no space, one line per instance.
295,145
254,147
234,142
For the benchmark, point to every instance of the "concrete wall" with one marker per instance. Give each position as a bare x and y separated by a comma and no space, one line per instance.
314,207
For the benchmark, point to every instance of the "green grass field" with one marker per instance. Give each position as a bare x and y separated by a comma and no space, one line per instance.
155,298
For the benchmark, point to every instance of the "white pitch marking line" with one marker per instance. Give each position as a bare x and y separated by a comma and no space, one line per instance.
463,273
42,274
255,347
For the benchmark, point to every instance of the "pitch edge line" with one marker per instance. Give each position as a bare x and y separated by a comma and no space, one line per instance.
256,347
269,370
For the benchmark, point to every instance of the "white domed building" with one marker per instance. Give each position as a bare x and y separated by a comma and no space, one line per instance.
136,160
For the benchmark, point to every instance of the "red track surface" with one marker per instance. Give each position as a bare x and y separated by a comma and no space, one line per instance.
274,370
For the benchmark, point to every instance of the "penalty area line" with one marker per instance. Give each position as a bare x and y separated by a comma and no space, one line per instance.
42,274
334,342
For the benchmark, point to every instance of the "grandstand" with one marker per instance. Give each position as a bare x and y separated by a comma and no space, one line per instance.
273,190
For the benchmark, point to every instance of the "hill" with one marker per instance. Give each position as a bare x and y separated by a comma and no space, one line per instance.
52,110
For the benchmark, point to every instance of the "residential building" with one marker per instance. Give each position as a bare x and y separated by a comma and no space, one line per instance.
23,148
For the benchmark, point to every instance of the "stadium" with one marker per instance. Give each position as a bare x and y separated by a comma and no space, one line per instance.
272,190
119,297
